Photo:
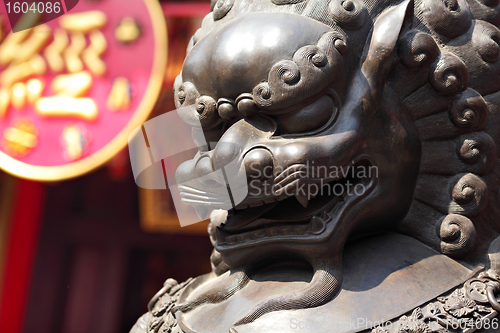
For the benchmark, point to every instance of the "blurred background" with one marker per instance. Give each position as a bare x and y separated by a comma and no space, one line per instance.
85,255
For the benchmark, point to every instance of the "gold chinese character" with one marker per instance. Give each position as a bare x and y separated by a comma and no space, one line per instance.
91,55
21,137
80,24
119,96
75,142
20,53
18,95
72,53
128,30
68,101
53,52
34,89
84,22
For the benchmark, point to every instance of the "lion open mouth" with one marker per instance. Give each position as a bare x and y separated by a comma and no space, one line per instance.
284,217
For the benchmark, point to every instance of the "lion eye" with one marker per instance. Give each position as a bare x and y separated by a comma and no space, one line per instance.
309,118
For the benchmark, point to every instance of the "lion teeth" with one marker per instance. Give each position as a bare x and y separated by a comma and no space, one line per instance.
270,200
221,234
284,231
273,232
231,239
225,238
258,234
282,197
302,199
300,229
317,225
201,212
256,204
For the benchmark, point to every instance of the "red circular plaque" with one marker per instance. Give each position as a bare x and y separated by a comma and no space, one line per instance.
72,89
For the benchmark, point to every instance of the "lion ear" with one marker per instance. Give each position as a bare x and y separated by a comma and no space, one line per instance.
387,29
390,24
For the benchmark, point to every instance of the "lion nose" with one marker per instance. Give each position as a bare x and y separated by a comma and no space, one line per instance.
205,173
258,164
226,155
250,164
201,171
236,151
241,155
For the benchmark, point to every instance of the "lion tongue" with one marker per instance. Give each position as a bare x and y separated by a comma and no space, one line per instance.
241,218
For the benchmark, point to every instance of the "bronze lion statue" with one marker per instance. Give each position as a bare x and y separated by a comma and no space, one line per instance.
366,134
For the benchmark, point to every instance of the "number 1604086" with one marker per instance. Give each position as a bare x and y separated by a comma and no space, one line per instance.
40,7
